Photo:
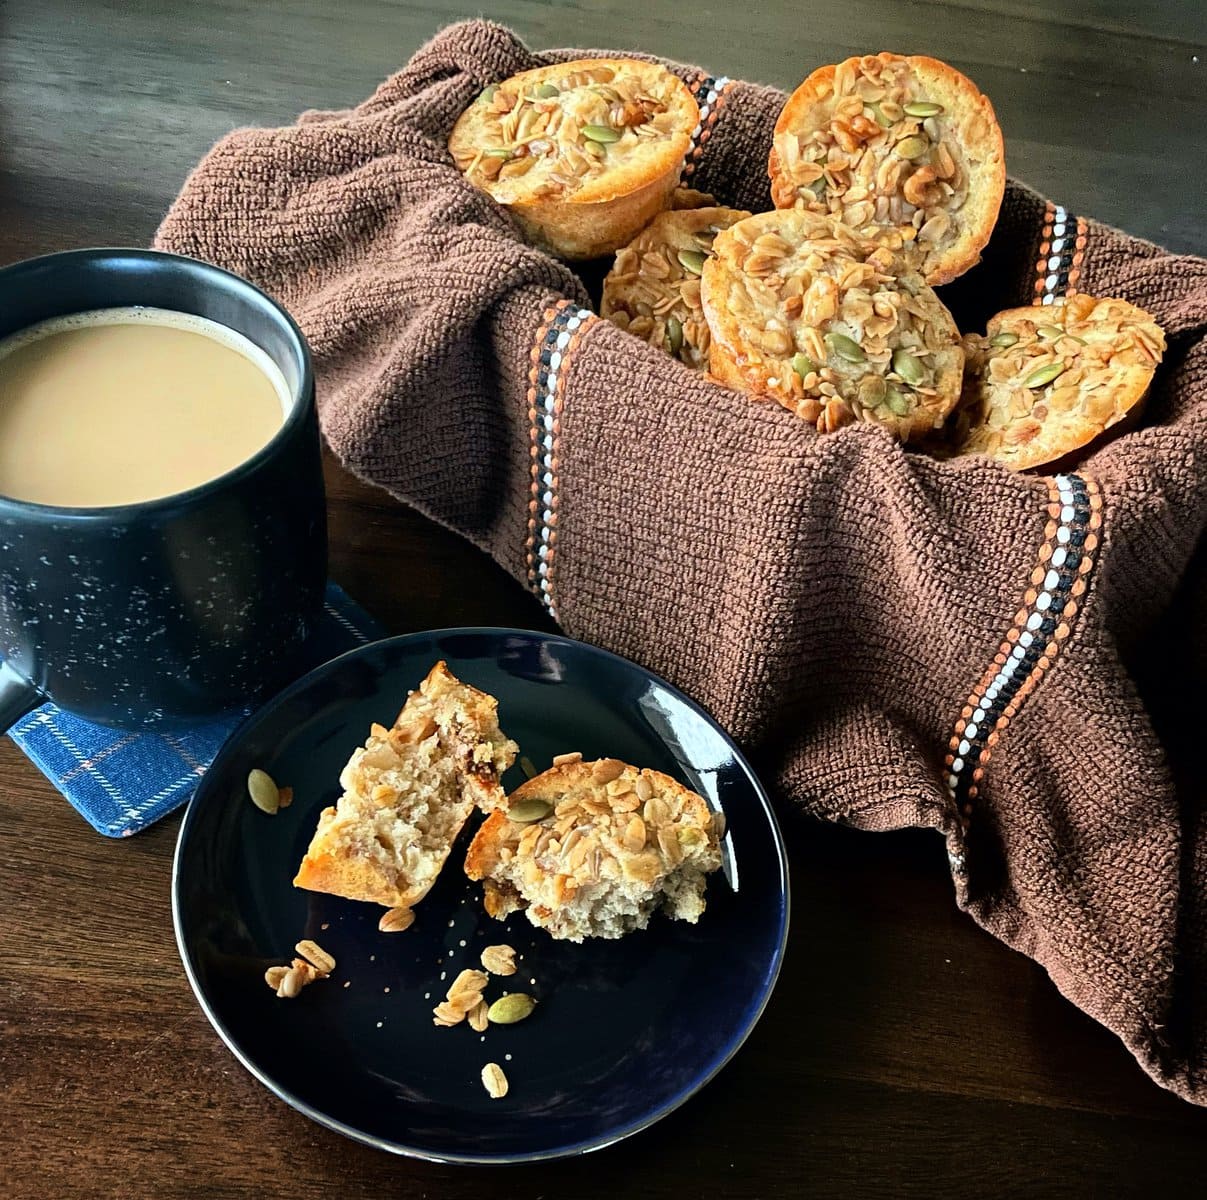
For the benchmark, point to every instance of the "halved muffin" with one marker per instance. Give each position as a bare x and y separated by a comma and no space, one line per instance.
407,793
592,849
903,142
1045,382
653,288
582,153
835,327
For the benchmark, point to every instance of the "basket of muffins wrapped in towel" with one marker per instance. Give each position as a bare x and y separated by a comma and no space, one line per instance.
887,173
888,462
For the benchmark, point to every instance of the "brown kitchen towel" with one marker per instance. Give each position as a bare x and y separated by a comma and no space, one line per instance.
897,641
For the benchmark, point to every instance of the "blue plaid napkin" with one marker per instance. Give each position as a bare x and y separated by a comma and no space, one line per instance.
123,782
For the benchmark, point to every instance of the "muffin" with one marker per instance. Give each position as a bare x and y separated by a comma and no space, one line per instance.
1047,382
909,143
593,849
407,794
583,154
836,328
653,290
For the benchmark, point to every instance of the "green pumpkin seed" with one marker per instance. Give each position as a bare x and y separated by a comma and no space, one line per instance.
803,365
497,152
897,400
488,94
526,811
1003,340
878,116
546,91
912,147
1050,331
507,1010
264,793
872,389
596,149
908,367
922,108
674,334
846,347
692,260
1044,375
601,133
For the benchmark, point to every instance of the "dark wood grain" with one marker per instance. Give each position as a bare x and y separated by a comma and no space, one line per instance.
905,1053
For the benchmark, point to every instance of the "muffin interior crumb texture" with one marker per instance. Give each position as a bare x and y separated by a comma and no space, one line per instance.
407,793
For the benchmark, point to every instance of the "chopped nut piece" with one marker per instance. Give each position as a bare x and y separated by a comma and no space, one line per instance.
573,756
292,982
274,975
607,769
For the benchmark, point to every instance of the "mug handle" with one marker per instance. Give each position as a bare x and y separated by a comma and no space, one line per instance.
17,697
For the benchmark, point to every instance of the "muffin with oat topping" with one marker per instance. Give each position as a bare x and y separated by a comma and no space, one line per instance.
653,289
837,328
583,153
593,849
908,143
1047,381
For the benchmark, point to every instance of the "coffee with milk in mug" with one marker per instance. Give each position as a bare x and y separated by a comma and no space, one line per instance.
125,405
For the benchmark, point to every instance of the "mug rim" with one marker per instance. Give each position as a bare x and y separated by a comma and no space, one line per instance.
299,412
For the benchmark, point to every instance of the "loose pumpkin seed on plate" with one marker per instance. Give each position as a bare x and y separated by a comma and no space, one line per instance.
510,1009
263,791
1002,341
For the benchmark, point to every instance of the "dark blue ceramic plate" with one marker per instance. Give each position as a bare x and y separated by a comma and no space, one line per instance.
626,1030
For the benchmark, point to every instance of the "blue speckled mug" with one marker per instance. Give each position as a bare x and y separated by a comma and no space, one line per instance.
180,608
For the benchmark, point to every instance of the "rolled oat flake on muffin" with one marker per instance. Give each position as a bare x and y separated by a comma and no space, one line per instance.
583,154
836,327
906,143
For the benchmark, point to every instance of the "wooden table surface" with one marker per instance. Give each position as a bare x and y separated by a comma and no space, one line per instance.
905,1052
